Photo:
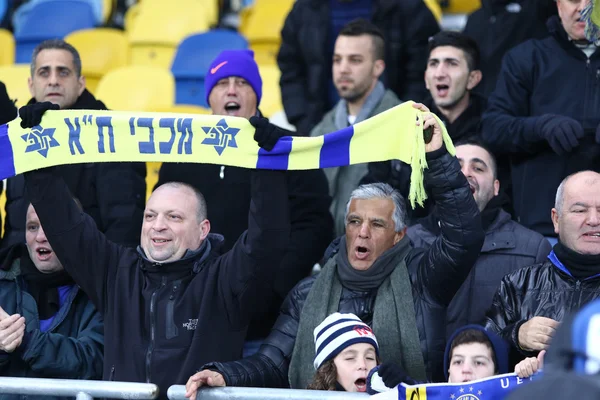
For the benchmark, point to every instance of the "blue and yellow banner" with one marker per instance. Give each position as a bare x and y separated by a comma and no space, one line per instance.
83,136
493,388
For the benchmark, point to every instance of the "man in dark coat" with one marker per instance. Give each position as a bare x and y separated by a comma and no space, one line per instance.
234,87
508,246
113,194
307,42
48,326
376,274
544,114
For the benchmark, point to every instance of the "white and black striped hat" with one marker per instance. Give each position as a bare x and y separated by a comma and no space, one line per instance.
337,332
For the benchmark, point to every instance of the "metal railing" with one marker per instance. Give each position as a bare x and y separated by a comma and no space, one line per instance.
81,389
177,392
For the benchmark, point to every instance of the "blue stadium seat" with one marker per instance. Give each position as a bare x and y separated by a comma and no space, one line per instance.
192,59
50,20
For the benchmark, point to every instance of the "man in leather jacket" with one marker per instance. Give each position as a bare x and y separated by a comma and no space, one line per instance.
378,275
531,302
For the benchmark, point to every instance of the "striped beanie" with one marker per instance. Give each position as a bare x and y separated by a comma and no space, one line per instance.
337,332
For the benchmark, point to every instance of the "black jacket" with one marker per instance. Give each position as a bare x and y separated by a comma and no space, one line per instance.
500,25
549,76
468,124
72,346
436,275
113,194
305,57
163,321
8,110
227,193
541,290
508,246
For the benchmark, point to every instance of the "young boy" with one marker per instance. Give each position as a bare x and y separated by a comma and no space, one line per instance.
471,353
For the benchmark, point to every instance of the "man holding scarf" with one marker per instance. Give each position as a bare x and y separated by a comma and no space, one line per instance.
374,272
48,326
531,302
508,245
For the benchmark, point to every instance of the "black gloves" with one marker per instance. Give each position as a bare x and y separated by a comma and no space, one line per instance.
266,134
392,374
561,133
31,115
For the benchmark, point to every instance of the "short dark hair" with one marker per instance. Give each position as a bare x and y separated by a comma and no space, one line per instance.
57,44
202,210
475,141
361,26
473,336
460,41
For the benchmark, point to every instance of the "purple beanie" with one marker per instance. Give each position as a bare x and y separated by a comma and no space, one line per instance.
234,63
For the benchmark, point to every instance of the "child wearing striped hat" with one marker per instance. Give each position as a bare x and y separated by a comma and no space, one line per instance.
346,350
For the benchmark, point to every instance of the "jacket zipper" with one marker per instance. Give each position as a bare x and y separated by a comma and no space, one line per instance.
578,291
152,330
112,373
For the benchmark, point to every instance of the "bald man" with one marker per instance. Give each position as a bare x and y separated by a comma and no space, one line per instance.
531,302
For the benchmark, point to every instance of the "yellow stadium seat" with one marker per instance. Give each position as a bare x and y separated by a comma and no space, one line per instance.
101,50
270,103
262,27
152,169
460,6
184,109
2,210
435,8
107,8
160,26
7,44
130,16
15,78
137,88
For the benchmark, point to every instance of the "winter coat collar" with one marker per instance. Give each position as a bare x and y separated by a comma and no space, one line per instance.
86,101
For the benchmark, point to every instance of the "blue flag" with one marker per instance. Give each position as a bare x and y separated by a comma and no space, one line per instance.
494,388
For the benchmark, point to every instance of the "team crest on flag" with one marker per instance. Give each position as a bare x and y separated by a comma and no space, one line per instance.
40,140
220,136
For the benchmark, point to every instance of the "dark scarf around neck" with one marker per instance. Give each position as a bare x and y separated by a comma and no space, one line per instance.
373,277
43,287
581,266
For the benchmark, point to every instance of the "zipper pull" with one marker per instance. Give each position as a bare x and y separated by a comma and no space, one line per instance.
222,173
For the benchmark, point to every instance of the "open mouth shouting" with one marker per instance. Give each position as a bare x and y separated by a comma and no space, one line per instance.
361,385
43,253
361,252
232,107
158,242
442,90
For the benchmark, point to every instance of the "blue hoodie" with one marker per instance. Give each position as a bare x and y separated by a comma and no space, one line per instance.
499,346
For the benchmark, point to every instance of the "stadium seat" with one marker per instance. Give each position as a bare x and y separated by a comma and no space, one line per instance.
459,6
7,44
160,26
270,103
193,58
262,26
184,109
2,209
137,88
101,50
49,20
107,9
15,78
131,16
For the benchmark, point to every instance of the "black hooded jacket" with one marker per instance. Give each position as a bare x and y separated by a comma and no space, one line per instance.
162,321
113,194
